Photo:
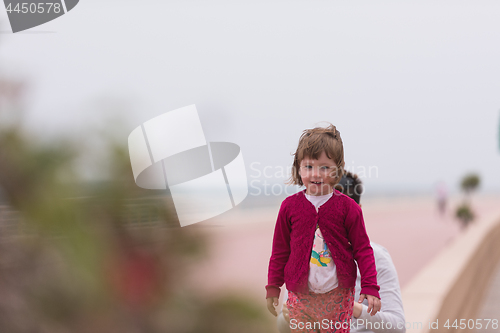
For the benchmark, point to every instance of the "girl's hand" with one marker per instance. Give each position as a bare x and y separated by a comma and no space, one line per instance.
272,302
373,303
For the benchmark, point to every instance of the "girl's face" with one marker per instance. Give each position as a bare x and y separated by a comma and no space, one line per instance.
318,175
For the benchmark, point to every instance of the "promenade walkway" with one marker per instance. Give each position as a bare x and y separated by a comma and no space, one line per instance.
491,306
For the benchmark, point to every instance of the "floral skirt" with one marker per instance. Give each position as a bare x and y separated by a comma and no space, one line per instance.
326,313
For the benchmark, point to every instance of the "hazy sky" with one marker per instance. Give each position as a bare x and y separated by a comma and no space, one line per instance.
414,88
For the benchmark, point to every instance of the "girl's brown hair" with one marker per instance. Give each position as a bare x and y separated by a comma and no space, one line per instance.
312,143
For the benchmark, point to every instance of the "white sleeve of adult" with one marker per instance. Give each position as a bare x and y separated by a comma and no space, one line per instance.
391,317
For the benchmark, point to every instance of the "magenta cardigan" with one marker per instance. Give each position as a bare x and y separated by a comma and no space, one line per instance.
341,223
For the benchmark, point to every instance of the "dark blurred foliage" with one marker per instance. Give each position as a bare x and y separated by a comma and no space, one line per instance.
105,256
464,213
470,183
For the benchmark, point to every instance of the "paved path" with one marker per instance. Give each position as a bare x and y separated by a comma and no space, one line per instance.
491,305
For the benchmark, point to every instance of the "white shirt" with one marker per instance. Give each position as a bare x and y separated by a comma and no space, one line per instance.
392,305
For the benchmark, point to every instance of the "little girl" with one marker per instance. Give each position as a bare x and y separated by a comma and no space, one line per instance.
318,235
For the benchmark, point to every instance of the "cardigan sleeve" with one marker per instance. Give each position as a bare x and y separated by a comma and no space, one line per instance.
362,251
280,253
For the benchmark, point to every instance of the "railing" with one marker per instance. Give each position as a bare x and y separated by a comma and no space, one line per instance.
453,285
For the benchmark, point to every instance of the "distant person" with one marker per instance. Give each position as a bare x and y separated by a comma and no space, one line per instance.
442,197
320,283
391,317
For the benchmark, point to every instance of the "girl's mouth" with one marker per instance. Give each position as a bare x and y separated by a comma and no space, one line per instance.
317,183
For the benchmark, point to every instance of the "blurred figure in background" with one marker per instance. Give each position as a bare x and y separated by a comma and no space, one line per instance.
442,197
391,317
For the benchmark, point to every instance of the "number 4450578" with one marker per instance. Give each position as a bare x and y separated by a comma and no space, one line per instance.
24,7
471,323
